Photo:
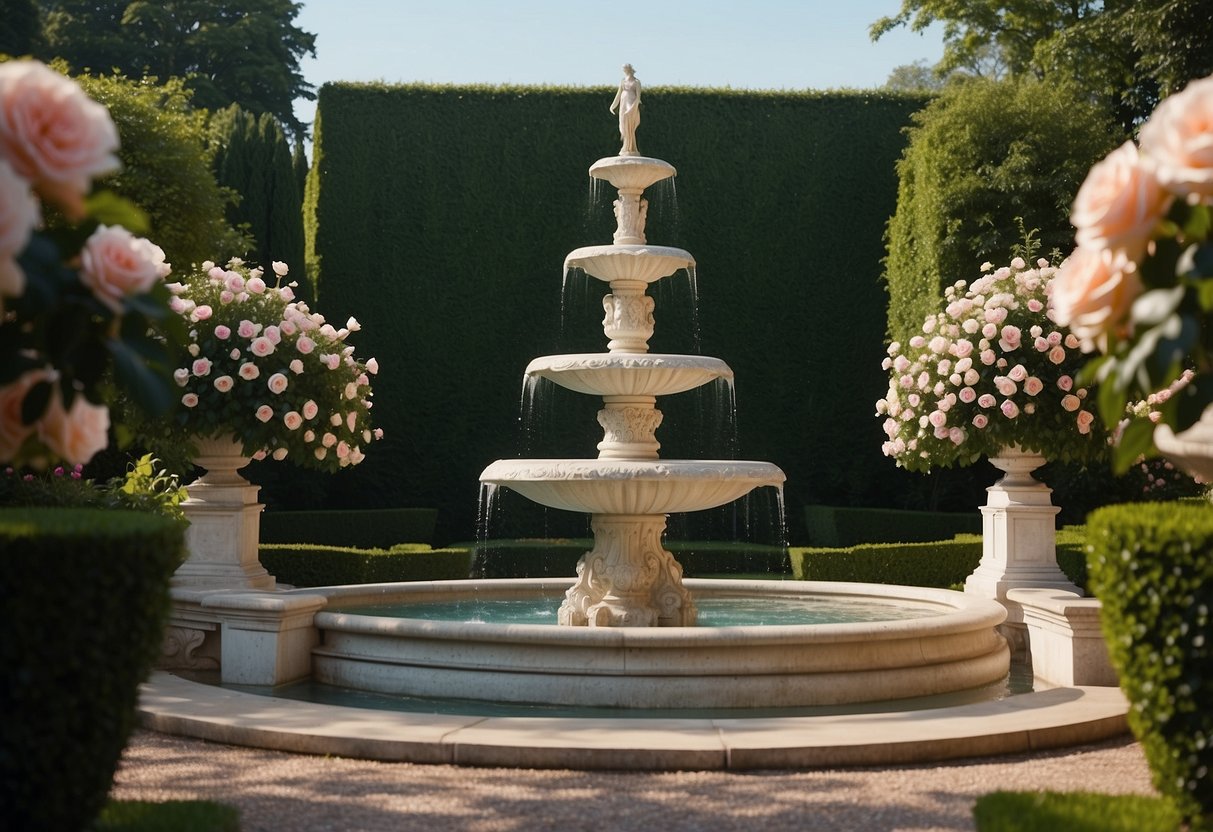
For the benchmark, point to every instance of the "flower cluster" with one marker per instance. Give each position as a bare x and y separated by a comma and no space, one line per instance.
265,369
77,296
1137,285
989,372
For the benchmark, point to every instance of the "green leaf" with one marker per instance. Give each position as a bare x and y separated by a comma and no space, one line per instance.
150,391
1136,440
33,406
1198,224
1112,400
107,208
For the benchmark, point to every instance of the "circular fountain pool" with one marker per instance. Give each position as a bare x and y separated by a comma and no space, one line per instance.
949,643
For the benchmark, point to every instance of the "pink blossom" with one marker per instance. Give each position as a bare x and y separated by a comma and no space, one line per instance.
335,419
274,334
288,328
968,395
18,216
226,297
249,371
235,354
262,346
264,413
1033,386
351,419
1005,386
1018,373
247,329
305,345
201,313
279,453
233,282
181,375
917,342
1065,383
351,390
296,366
309,436
938,345
310,409
224,383
1071,340
277,383
343,450
989,330
378,433
292,420
971,377
334,361
1034,305
900,363
1018,264
986,400
1009,409
1071,402
1040,344
988,357
980,421
995,316
201,367
255,285
280,268
1009,338
328,440
115,264
321,453
53,134
960,349
190,400
1085,418
938,418
1057,354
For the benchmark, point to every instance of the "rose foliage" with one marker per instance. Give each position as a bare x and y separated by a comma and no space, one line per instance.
990,371
1139,285
80,298
266,370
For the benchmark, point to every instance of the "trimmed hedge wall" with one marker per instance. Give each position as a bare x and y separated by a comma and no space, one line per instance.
315,565
836,526
440,216
1152,570
553,557
82,609
359,528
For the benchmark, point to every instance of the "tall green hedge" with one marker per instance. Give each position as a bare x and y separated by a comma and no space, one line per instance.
440,216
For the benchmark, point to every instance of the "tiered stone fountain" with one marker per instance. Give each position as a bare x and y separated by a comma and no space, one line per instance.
629,579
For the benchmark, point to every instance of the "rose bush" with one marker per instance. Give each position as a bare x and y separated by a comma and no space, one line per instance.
990,371
265,369
1139,285
77,296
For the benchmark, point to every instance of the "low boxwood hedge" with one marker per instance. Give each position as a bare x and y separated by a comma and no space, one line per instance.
557,557
372,528
300,564
837,526
83,603
1151,567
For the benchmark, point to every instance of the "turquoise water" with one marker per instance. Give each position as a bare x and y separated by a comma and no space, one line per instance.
714,611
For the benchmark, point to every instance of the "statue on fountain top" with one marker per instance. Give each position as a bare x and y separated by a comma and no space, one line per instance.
627,102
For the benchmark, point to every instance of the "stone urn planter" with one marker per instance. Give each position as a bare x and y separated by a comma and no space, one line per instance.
1192,449
82,607
225,522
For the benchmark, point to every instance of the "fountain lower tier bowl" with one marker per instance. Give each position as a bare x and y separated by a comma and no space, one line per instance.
629,262
952,646
619,486
629,374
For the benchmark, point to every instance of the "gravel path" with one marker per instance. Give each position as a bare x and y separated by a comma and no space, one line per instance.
281,792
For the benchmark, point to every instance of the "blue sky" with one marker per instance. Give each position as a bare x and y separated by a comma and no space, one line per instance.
761,44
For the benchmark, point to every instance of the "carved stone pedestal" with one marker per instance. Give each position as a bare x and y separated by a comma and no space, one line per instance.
1018,536
628,579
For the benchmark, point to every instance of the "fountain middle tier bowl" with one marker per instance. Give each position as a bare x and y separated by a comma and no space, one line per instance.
629,262
632,172
629,374
620,486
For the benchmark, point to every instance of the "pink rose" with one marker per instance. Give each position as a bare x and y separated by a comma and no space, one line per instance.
201,313
246,329
980,421
1085,418
262,346
1033,386
1057,354
305,345
1009,409
1119,203
181,375
1065,383
280,268
1009,338
1093,291
201,367
1005,386
1034,305
277,383
249,371
75,434
115,263
12,431
224,383
53,134
1177,140
190,400
1018,373
988,357
1070,402
18,216
938,418
274,334
255,285
310,409
986,400
234,282
328,440
968,395
222,332
264,413
378,433
292,420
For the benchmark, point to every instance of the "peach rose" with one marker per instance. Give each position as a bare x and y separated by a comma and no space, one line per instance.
18,216
77,434
115,263
13,432
1119,203
1178,138
53,134
1092,293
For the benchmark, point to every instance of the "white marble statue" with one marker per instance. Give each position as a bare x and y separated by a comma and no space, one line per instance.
627,102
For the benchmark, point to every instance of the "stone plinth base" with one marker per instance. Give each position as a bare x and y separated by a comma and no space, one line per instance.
1065,638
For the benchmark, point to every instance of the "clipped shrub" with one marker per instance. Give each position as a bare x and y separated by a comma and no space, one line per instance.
358,528
557,557
314,565
940,563
982,155
166,167
835,526
82,607
1151,567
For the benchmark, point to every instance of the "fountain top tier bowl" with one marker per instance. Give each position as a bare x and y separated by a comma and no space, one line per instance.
632,173
624,374
640,263
632,487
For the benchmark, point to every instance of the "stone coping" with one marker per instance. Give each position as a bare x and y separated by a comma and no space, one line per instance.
1026,722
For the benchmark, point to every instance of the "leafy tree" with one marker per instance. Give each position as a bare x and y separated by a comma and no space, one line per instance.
1129,53
20,28
253,158
245,52
916,77
980,156
166,167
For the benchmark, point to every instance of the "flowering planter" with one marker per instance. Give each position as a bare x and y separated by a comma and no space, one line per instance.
82,609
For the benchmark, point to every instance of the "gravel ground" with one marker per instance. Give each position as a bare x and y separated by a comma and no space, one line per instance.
281,792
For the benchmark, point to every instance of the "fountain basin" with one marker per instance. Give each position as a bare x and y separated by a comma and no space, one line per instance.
632,172
953,647
629,262
623,374
639,487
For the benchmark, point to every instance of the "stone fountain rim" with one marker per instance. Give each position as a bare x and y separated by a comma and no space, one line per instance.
628,360
630,250
655,470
